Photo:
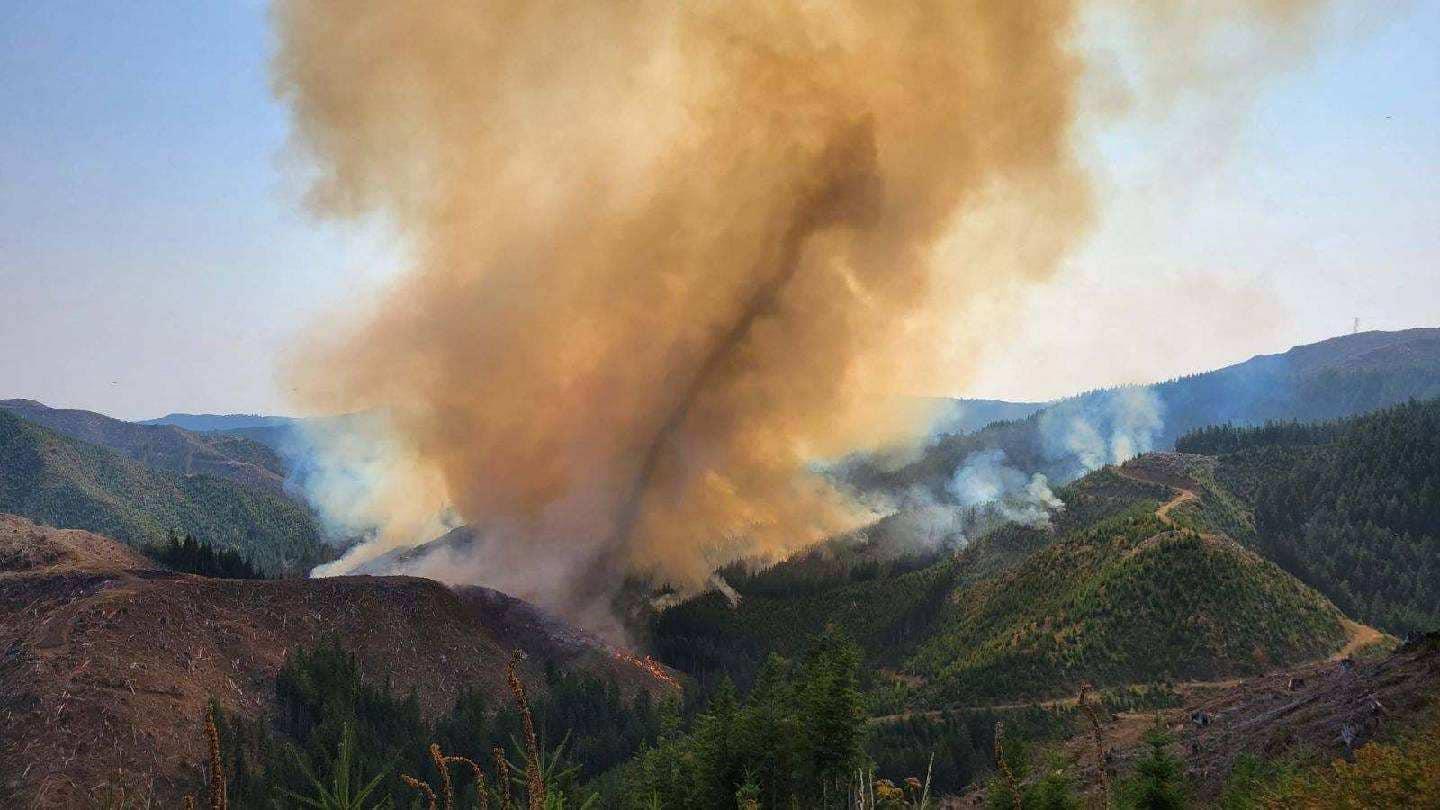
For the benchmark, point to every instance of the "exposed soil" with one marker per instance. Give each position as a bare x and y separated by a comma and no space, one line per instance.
1304,710
106,663
1167,470
1360,637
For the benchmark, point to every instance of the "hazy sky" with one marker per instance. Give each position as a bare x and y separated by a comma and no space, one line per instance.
155,257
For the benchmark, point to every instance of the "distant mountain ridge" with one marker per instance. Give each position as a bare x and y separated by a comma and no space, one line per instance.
162,446
1340,377
1333,378
290,437
205,422
968,415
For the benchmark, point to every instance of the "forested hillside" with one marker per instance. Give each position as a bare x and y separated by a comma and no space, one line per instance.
1172,572
1350,507
59,481
323,700
1111,593
885,595
1125,600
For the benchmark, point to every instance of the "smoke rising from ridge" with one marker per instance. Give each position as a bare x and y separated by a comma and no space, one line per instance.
1086,433
984,479
668,255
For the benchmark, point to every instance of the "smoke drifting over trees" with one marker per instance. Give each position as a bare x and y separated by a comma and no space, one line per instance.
669,255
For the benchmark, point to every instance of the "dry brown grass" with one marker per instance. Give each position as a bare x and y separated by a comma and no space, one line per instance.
1008,775
535,782
422,786
446,788
502,776
535,788
483,800
219,798
1098,737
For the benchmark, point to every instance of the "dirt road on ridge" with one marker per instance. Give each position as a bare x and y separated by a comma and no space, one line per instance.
1358,635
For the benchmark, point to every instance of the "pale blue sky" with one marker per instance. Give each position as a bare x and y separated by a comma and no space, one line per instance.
1242,226
154,255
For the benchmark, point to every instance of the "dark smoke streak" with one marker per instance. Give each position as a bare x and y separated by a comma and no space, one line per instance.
847,195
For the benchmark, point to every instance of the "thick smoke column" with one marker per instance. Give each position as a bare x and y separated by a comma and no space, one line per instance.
667,255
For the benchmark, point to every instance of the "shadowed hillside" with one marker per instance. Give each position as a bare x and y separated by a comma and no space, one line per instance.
969,415
1351,507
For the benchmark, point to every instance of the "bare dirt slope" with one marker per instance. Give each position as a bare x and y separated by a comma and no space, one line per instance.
106,664
1308,710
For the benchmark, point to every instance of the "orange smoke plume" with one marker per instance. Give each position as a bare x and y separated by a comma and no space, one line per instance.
667,256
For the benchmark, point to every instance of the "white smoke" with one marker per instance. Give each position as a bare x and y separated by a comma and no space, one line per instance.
718,584
927,522
985,480
1110,427
346,468
983,493
1076,436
